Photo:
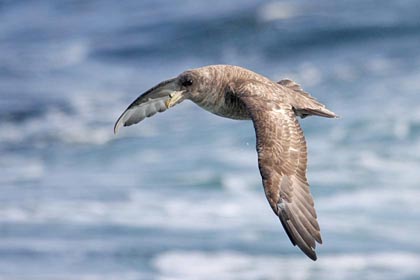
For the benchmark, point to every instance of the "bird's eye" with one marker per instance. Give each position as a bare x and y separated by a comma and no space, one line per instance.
187,82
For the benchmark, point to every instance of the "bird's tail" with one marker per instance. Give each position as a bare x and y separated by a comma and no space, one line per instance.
303,103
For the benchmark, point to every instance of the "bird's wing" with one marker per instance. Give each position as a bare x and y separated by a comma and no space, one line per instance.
282,160
146,105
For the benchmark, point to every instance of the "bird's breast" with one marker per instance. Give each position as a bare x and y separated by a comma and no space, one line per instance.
225,104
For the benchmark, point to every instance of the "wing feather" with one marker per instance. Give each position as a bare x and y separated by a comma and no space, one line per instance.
282,159
138,112
146,105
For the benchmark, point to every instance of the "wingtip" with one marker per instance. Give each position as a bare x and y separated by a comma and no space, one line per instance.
330,114
298,241
117,126
309,252
120,122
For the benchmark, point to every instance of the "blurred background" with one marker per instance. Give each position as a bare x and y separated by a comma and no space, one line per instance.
179,196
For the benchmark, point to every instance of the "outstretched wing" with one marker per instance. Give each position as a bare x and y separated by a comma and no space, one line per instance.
282,160
146,105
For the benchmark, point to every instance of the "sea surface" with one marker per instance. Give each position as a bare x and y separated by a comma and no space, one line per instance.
179,196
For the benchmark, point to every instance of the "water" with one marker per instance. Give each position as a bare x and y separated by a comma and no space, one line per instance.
179,196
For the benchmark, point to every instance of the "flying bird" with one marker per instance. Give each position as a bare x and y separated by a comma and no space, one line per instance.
238,93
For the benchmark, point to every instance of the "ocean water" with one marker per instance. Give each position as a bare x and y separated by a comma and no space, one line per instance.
179,196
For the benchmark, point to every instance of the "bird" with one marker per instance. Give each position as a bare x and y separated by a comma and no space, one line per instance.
238,93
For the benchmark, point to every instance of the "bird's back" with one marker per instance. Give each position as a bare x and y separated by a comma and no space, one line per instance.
287,91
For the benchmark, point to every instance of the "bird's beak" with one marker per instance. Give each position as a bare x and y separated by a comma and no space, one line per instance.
174,98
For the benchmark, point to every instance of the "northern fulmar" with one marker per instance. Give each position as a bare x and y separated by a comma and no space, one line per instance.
238,93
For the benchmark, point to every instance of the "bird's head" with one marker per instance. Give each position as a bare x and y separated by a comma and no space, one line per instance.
198,85
192,84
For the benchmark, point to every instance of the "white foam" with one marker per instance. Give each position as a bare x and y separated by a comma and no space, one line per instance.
346,71
240,181
307,74
155,210
372,199
380,65
234,265
237,156
389,214
67,54
76,275
90,122
20,169
277,11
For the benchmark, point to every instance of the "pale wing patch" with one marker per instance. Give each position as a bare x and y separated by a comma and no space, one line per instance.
139,112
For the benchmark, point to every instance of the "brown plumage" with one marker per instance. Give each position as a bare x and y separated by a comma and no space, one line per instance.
238,93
